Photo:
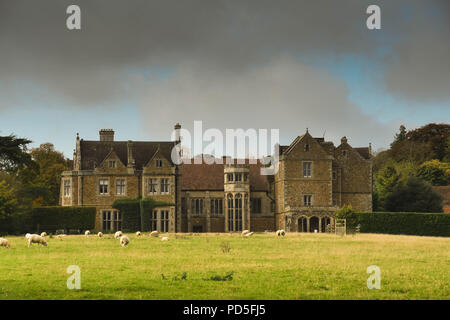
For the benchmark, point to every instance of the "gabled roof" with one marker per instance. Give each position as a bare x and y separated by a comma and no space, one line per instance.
211,177
94,152
364,152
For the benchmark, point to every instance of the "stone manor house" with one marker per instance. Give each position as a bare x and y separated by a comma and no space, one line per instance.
314,179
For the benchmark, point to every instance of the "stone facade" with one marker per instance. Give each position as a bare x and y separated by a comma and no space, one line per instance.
314,179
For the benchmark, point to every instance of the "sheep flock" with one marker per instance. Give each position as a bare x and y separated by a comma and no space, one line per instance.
124,240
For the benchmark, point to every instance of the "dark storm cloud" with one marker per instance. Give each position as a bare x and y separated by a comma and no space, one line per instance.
237,62
224,35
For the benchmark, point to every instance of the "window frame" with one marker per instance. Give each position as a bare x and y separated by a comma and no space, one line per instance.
305,169
307,203
100,192
124,186
67,186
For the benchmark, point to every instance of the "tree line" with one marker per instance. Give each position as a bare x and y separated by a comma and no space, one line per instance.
28,177
405,174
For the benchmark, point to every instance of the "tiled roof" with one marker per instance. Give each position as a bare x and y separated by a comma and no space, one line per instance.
94,152
364,152
211,177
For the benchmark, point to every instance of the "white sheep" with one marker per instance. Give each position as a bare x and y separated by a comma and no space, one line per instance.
43,234
165,239
138,233
118,234
27,235
4,243
154,234
281,233
87,233
61,236
248,234
100,234
245,232
34,238
124,241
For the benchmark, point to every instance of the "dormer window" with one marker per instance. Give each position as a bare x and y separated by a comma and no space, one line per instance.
306,147
159,163
112,164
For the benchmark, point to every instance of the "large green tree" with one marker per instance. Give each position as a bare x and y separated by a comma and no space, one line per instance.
415,195
41,183
435,172
8,200
13,153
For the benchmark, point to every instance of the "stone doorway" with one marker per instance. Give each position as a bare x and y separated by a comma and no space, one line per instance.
313,224
302,225
325,221
197,229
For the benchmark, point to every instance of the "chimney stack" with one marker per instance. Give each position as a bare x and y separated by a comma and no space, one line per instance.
106,135
130,161
177,128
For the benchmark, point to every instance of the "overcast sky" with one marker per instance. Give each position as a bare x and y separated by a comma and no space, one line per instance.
141,66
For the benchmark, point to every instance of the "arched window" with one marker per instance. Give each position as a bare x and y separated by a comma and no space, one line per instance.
238,212
230,212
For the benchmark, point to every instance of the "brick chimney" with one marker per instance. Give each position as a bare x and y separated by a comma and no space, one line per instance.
106,135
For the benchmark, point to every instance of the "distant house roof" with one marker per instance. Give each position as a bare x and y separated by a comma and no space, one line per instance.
444,191
94,152
211,177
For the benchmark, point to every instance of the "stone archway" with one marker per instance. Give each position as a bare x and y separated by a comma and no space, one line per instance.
302,224
325,221
314,224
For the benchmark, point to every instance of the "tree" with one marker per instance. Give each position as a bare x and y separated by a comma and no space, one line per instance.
8,201
350,215
435,172
13,153
42,181
401,136
414,196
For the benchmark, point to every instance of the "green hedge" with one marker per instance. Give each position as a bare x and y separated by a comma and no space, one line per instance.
136,213
409,223
53,218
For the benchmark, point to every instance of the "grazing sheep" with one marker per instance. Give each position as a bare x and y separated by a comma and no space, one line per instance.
154,234
281,233
249,234
100,234
34,238
27,235
118,234
4,243
61,236
43,234
124,241
87,233
138,233
245,232
165,239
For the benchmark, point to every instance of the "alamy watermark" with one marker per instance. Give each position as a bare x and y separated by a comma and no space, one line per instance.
236,146
74,280
374,280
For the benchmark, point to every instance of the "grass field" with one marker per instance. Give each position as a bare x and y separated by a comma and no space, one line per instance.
298,266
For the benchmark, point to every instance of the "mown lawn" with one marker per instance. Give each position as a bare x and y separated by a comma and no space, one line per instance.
298,266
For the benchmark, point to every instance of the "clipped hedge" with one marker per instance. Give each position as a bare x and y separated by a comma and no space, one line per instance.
408,223
53,218
130,213
136,213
